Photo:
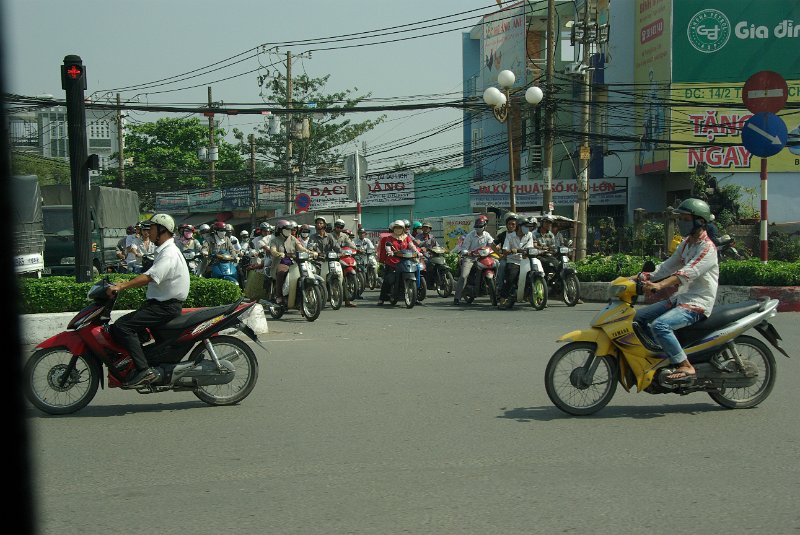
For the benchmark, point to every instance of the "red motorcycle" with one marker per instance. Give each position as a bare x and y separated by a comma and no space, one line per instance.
188,354
347,257
480,280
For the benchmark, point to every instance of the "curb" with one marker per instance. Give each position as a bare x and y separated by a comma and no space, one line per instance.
788,296
36,328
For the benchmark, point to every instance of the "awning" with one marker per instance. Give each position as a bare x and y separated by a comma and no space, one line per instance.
197,219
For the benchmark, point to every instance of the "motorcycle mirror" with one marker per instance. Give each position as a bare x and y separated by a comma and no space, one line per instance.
649,266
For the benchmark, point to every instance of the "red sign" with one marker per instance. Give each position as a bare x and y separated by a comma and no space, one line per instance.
765,91
74,72
302,202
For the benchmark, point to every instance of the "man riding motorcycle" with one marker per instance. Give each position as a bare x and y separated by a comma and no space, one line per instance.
283,246
218,241
515,243
474,240
425,241
694,269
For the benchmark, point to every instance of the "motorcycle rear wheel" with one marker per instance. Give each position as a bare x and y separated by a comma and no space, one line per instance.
538,293
43,373
571,289
312,302
409,293
564,371
758,353
238,353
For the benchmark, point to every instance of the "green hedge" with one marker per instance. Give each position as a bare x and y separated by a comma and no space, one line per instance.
63,294
735,273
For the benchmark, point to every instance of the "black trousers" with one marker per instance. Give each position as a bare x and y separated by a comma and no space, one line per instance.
510,276
389,275
125,331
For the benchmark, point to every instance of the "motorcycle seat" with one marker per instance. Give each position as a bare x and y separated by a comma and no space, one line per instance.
721,316
198,316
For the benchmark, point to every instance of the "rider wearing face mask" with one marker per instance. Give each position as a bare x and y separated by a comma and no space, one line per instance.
186,241
476,239
282,248
388,246
305,234
218,241
693,268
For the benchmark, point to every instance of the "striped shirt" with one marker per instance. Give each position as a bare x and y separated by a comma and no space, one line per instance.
695,264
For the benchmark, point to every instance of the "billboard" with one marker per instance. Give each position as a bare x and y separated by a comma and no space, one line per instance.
455,228
503,44
390,189
602,192
652,54
728,40
710,132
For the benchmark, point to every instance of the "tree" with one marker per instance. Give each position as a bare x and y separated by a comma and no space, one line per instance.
165,158
328,132
49,170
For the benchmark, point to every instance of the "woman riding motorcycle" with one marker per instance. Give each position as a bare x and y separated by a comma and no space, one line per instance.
389,245
282,248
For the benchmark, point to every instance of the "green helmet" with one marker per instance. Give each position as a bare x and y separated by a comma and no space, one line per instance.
416,225
510,216
694,207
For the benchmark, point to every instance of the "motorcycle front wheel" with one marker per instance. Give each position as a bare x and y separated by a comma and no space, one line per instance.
372,279
444,284
491,289
43,377
334,293
361,283
572,289
757,353
538,293
238,353
567,385
409,293
422,291
350,287
312,302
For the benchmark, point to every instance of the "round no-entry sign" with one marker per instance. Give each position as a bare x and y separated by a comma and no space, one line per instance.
765,91
302,202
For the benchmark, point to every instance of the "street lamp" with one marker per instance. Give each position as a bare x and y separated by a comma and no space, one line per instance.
500,101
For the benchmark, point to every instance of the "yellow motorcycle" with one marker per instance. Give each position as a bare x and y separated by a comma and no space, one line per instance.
736,370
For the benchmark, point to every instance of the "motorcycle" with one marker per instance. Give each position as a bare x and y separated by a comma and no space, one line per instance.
442,277
302,290
191,258
188,354
422,282
480,280
223,267
726,249
405,279
350,280
561,276
531,283
330,269
736,370
368,266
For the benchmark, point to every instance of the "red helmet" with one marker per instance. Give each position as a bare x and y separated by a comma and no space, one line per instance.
257,232
219,225
481,221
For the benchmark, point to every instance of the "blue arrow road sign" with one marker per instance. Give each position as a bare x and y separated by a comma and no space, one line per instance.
764,134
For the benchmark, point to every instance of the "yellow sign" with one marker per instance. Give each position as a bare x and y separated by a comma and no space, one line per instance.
711,130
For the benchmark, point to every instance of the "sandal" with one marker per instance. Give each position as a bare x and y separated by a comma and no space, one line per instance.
684,377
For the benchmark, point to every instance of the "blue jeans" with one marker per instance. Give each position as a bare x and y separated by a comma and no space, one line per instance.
663,319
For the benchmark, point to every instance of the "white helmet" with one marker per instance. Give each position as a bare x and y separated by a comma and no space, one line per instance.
244,233
204,228
397,223
165,221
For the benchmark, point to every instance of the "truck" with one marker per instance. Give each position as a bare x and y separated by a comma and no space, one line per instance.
28,230
111,210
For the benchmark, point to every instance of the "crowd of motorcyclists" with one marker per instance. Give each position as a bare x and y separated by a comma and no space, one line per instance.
215,251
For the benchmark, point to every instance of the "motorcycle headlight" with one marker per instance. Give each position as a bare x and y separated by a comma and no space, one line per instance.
533,252
333,256
564,250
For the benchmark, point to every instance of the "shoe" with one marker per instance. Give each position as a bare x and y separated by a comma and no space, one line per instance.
350,305
141,377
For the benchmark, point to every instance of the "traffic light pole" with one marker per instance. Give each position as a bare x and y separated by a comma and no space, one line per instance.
73,81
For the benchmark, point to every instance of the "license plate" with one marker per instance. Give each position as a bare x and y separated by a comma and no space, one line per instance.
47,271
68,260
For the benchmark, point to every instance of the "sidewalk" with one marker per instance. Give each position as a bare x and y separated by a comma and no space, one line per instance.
35,328
788,296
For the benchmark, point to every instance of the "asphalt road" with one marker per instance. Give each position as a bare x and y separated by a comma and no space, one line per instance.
431,420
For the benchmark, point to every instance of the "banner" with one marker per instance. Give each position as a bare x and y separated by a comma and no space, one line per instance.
455,228
652,55
205,201
390,189
602,192
712,130
172,203
236,198
326,195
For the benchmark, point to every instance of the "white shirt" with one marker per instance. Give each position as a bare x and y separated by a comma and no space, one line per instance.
169,274
132,241
513,241
472,241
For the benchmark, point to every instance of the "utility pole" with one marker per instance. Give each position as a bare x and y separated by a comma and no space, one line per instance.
583,178
512,190
211,146
73,81
253,190
289,122
549,111
120,146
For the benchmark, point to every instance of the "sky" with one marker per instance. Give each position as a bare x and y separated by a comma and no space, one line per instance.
123,43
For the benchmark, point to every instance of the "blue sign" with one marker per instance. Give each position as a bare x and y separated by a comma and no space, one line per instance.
302,202
764,134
